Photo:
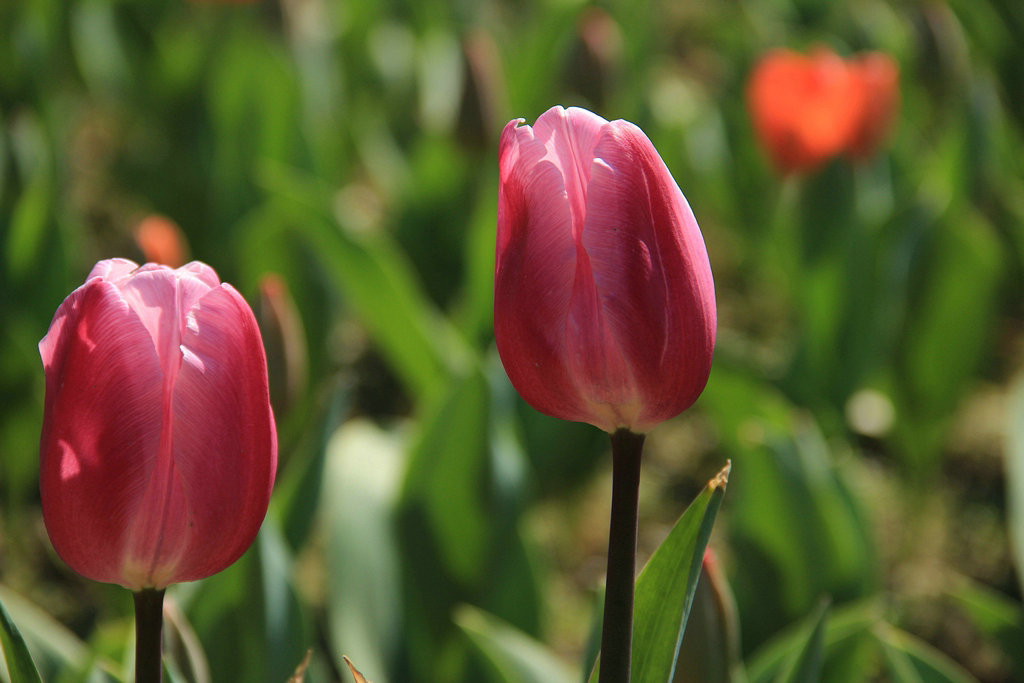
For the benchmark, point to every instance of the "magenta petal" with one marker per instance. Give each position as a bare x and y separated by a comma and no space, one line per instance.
570,136
604,301
198,270
101,428
533,280
652,273
161,298
112,269
225,445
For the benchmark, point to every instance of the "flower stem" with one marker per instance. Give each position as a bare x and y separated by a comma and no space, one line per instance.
617,631
149,619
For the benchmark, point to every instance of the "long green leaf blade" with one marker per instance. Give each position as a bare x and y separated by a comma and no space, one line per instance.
666,586
513,656
807,662
20,666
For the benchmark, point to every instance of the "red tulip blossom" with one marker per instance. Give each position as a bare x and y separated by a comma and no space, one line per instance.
808,109
158,449
604,306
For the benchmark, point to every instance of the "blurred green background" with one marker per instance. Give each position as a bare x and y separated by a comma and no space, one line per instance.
865,384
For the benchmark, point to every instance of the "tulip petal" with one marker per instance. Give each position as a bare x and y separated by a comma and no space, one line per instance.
112,269
534,272
161,297
569,136
101,427
225,445
653,281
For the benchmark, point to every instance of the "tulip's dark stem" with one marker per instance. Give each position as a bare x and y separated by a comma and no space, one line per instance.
617,631
149,619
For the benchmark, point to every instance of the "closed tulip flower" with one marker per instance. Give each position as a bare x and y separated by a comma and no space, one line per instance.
604,305
158,449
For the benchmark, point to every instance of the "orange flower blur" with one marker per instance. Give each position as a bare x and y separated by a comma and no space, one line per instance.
161,241
880,78
808,109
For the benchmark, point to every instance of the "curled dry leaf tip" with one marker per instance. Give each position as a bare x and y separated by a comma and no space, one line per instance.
360,678
721,479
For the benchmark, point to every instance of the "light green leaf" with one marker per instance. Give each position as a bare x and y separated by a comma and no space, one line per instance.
28,223
361,481
911,660
378,283
55,648
996,615
20,666
806,663
845,626
511,655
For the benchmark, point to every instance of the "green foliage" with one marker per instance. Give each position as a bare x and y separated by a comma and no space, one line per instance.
426,522
666,587
19,662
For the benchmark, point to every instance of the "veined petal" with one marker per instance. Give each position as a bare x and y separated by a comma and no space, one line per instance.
569,137
161,298
604,302
112,269
534,270
652,278
225,445
101,427
199,271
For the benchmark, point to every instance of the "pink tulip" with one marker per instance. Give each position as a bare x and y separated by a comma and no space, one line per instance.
604,306
158,450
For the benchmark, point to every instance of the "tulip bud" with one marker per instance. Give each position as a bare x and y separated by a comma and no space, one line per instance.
604,306
158,450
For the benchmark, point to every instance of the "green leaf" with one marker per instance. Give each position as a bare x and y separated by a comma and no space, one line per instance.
509,654
360,485
796,530
844,633
378,283
29,221
250,615
806,662
448,477
911,660
995,615
55,648
948,329
20,666
287,632
98,49
666,586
